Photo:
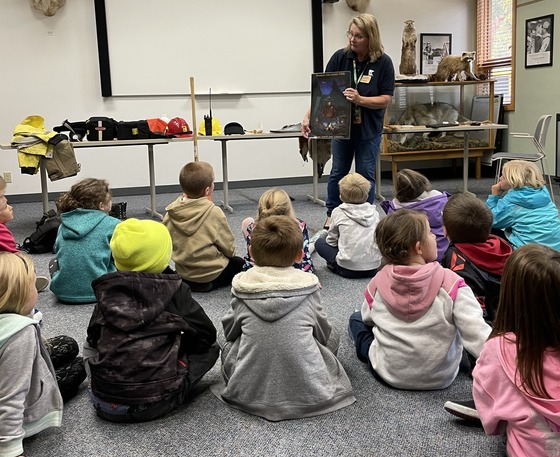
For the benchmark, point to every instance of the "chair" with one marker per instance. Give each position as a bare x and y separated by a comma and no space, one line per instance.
539,140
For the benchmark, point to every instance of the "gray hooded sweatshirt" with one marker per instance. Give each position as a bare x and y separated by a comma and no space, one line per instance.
30,397
279,357
352,230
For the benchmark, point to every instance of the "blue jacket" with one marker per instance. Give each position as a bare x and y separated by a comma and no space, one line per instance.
83,253
527,215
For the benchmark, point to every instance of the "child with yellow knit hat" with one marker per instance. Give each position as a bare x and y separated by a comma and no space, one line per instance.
148,341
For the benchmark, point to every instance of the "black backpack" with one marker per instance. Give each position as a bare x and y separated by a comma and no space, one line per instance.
43,238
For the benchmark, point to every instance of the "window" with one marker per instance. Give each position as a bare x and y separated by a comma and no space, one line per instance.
495,45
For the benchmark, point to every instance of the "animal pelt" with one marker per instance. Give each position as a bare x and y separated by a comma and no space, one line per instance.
360,6
408,50
48,7
455,68
323,152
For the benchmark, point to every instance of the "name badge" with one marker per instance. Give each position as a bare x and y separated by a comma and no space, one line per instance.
365,79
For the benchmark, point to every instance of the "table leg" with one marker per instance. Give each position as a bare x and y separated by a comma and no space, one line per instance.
225,178
44,186
466,163
152,209
315,197
378,179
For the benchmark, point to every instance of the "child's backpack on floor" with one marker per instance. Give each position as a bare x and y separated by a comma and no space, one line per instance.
43,238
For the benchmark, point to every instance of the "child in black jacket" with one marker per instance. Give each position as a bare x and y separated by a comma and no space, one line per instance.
148,341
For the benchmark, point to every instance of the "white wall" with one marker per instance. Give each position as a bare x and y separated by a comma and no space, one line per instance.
537,91
51,69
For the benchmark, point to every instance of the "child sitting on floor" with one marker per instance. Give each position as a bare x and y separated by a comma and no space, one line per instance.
515,381
148,341
82,243
473,253
414,191
8,242
349,247
30,388
522,207
203,244
276,202
416,315
278,357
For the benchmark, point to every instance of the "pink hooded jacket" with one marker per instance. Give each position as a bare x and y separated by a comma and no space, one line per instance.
532,424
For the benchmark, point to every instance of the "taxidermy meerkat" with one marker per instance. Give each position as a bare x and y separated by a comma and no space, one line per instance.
455,68
358,5
408,50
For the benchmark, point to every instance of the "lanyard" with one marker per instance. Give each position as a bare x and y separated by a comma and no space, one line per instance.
356,79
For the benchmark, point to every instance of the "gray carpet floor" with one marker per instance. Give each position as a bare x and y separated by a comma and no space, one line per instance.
382,422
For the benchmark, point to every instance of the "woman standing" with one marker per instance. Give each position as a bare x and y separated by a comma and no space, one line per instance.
373,83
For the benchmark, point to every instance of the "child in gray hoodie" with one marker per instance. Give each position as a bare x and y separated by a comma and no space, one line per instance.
349,247
278,357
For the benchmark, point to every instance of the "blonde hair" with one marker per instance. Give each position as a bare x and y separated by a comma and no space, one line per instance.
354,188
520,173
275,202
195,177
367,24
2,183
276,242
17,280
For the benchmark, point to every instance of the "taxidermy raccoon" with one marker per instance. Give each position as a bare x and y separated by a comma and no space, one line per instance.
455,68
429,113
408,50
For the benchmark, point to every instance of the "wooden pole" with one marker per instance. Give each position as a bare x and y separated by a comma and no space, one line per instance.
195,133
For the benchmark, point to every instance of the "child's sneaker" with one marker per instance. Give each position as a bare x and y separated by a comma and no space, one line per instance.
37,315
41,283
320,234
464,409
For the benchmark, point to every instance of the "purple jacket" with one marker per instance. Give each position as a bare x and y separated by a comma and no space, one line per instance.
431,203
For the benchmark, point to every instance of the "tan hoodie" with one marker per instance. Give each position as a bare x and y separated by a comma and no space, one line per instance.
202,239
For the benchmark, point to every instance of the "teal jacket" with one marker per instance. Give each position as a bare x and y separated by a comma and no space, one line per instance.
83,253
31,400
527,215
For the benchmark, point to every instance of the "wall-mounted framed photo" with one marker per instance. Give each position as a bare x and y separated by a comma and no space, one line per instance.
433,48
539,33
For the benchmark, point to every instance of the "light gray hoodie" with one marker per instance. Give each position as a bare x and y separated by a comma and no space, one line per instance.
279,357
31,400
352,230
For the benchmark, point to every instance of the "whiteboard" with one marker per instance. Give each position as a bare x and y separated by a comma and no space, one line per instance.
230,46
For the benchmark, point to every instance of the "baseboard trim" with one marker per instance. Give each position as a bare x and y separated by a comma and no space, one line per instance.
175,188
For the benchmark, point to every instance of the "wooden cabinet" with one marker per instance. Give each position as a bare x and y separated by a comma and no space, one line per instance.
396,148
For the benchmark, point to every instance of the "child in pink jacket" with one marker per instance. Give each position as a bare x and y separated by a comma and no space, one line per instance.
516,379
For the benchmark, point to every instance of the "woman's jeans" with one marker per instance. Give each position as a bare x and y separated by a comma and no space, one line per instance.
365,153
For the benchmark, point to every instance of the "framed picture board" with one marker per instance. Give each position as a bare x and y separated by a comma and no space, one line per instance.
539,33
434,47
331,113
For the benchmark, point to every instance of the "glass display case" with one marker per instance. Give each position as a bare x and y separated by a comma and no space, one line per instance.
421,103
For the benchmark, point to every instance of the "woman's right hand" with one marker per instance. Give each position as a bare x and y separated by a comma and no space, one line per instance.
305,128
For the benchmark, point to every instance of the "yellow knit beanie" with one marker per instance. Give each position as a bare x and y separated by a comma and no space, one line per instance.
141,245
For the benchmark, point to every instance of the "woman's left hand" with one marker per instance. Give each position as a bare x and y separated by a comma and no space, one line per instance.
352,95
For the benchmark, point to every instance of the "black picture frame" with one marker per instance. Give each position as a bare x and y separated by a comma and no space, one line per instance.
433,48
331,114
539,39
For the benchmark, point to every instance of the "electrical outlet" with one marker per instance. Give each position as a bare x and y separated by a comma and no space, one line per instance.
8,176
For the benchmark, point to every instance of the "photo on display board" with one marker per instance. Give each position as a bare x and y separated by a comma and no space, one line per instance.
330,111
539,32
